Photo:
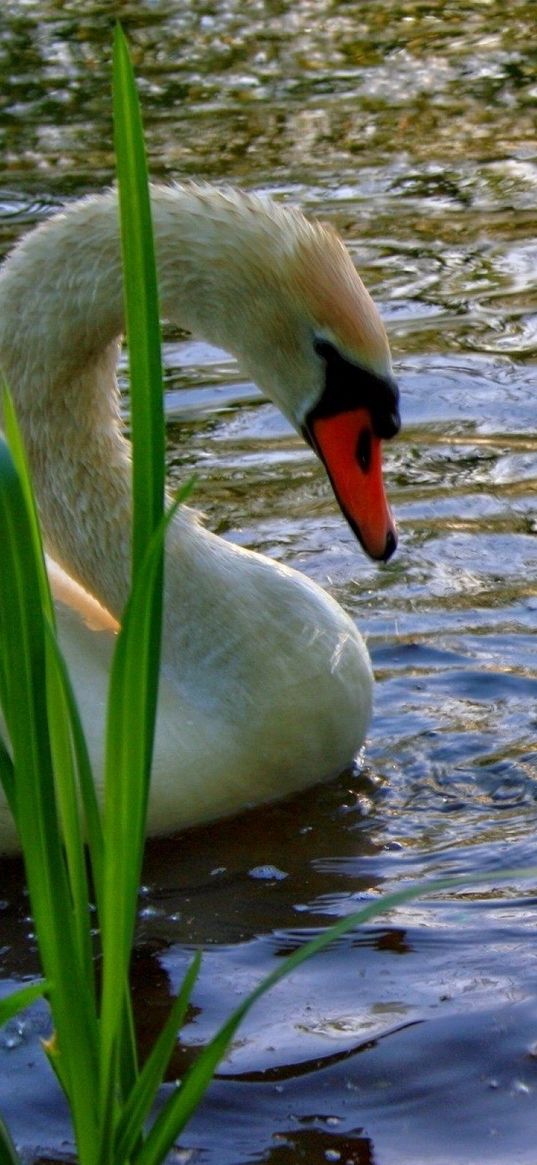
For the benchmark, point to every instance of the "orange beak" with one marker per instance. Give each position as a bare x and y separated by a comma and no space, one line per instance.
352,455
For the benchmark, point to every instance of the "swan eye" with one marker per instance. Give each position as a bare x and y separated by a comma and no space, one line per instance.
363,450
348,386
324,349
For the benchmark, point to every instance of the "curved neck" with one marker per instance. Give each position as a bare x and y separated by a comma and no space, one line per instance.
61,313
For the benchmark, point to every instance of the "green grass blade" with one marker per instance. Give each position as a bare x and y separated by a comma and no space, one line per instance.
183,1103
62,716
22,628
124,818
7,774
141,305
8,1153
144,346
10,1005
126,790
18,453
92,813
23,634
135,670
142,1097
66,789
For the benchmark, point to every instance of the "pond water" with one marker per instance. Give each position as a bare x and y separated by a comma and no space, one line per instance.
411,127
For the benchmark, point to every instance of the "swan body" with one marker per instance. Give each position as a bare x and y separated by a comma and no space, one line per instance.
266,684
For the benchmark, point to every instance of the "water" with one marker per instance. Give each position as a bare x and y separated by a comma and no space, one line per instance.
411,127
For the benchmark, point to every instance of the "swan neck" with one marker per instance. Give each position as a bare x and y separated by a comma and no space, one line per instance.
61,314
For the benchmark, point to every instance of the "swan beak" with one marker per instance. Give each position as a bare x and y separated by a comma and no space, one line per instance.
352,455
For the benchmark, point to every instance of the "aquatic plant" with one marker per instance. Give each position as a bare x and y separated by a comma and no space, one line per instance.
47,777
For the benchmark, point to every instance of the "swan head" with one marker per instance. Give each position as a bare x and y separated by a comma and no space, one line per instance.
328,367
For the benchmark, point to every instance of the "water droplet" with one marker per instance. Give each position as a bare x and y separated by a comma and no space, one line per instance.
151,912
521,1088
268,873
12,1035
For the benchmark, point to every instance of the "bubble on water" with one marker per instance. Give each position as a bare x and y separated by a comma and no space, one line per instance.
520,1088
12,1034
268,873
152,912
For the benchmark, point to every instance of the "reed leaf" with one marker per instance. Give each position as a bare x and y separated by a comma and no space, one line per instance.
7,774
67,754
24,687
141,305
135,670
180,1107
10,1005
8,1153
126,790
143,1095
18,453
86,784
46,772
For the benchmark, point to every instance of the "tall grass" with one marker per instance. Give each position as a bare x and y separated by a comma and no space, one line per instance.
46,772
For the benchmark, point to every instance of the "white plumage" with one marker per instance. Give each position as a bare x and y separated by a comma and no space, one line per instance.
266,683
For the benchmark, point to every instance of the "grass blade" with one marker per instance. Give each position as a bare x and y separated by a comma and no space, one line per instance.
141,305
183,1103
63,721
92,813
18,1000
18,453
23,634
7,775
66,790
8,1153
143,1095
135,670
127,787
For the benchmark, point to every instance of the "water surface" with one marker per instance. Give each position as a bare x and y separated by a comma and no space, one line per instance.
411,127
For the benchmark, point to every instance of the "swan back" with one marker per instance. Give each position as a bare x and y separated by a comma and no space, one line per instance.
266,684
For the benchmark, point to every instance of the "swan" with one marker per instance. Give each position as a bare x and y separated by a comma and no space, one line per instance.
266,684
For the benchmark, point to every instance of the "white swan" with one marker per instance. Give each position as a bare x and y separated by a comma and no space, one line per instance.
266,684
